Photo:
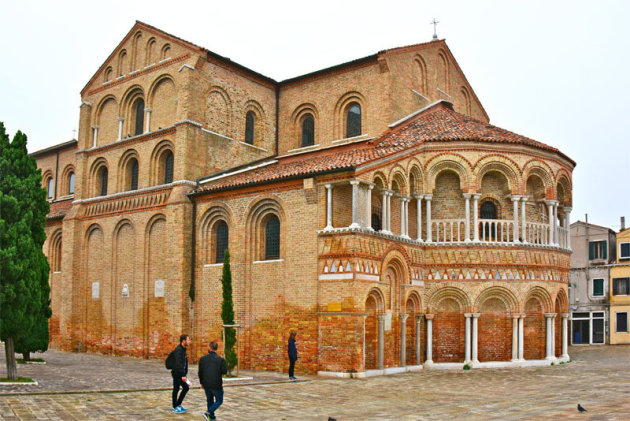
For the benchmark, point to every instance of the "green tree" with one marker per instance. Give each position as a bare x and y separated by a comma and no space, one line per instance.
227,314
23,266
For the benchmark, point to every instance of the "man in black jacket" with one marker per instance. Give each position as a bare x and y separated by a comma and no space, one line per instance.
179,372
211,370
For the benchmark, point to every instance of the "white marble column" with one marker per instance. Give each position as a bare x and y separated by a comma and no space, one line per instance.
549,204
403,339
385,212
549,341
515,337
556,239
475,341
329,215
147,122
467,339
429,359
553,336
476,197
515,231
381,340
120,127
418,339
467,196
523,219
565,335
94,136
355,204
402,217
368,207
428,198
567,225
418,198
521,348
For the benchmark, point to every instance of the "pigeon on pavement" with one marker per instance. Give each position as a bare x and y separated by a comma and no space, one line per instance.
580,408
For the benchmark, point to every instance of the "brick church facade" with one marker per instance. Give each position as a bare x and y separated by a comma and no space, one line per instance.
370,206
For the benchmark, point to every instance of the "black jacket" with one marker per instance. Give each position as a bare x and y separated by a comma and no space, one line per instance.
180,369
211,369
292,350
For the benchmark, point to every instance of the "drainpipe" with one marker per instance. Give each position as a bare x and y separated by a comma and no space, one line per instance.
193,255
277,114
56,175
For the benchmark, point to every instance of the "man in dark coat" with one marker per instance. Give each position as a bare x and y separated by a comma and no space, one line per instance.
211,370
179,373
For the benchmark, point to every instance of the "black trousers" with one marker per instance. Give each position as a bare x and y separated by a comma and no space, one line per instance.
291,366
177,383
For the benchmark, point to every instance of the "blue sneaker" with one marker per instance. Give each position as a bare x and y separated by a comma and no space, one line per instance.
182,409
176,410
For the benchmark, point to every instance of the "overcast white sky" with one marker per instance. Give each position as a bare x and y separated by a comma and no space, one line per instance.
555,71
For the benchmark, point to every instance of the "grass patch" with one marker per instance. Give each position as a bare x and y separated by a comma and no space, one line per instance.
32,360
467,367
19,380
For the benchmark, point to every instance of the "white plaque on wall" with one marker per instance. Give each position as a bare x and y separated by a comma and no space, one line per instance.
95,289
387,326
125,291
159,287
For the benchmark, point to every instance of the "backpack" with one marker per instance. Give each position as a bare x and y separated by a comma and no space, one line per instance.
170,361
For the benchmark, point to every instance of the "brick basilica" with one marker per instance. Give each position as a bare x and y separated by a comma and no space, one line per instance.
370,206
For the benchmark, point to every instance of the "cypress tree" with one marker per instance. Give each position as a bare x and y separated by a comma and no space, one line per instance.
227,314
23,267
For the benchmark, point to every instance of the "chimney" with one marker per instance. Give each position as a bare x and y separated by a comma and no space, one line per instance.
623,223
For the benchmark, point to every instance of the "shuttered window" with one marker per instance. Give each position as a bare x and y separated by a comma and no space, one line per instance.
624,251
597,250
598,287
621,286
272,238
168,168
621,322
221,241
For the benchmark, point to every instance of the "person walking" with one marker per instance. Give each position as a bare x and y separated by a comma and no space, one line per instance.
211,370
293,355
179,373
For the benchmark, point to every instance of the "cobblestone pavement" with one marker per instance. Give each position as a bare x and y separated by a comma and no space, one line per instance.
598,378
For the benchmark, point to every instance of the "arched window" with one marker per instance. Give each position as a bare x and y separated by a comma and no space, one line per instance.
133,175
250,120
308,130
168,167
103,174
353,120
488,230
376,222
139,111
71,183
50,188
221,241
272,238
488,210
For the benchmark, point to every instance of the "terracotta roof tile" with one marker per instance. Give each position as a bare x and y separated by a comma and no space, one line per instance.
59,209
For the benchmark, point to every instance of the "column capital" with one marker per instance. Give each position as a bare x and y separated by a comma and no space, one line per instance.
95,126
467,315
550,315
381,316
418,196
475,315
564,315
467,195
354,182
551,202
328,186
148,110
516,316
403,317
86,103
429,316
386,192
428,197
522,315
370,186
524,198
418,317
121,119
567,209
515,197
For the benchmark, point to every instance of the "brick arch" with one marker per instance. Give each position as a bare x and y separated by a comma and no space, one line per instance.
94,183
340,110
414,298
506,295
397,262
379,176
125,271
397,175
257,213
373,305
156,163
501,164
296,122
452,162
151,55
562,300
442,74
414,169
465,107
260,122
536,303
420,74
96,320
106,114
54,251
441,292
218,115
161,99
123,170
563,181
377,295
136,51
218,212
127,109
156,267
538,168
542,295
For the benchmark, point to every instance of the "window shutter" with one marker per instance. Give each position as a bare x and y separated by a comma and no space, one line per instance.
272,240
604,250
615,290
591,251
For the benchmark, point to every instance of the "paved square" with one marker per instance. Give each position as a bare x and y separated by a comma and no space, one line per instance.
598,378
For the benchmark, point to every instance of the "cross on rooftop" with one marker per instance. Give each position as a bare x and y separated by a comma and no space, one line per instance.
74,133
434,23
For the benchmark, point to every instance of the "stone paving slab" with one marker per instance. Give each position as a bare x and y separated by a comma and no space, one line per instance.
599,379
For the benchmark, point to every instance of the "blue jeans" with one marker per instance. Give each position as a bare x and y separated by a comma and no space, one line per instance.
214,399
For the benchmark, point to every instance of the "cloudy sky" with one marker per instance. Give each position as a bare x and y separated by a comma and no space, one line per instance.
555,71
